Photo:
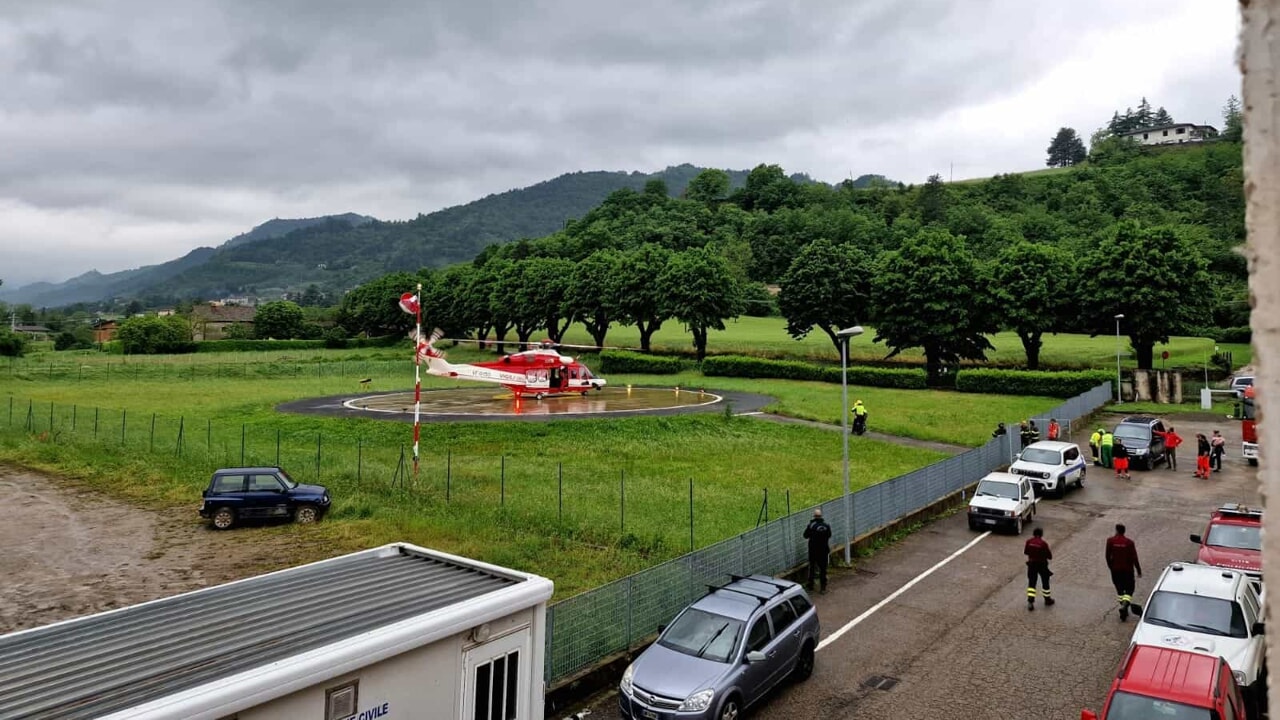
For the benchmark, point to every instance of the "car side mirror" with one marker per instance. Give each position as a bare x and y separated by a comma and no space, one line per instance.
1088,715
1259,628
1195,539
755,656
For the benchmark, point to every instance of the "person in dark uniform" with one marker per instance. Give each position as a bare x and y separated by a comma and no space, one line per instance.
1120,459
1038,557
1033,431
818,533
1122,561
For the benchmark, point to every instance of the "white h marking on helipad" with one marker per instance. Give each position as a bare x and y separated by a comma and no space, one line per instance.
897,593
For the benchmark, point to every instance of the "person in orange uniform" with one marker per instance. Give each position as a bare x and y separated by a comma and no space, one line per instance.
1202,456
1038,557
1122,561
1055,430
1171,442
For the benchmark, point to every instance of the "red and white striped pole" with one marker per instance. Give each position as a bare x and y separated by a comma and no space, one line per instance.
417,380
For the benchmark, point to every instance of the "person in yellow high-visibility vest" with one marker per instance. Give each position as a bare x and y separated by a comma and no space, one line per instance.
1108,440
1095,445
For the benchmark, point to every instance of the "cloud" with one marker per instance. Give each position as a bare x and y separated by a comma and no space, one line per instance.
137,130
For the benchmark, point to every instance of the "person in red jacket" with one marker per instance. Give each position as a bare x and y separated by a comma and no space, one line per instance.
1038,557
1055,430
1122,561
1171,442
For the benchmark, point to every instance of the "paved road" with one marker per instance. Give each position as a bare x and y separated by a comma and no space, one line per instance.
961,643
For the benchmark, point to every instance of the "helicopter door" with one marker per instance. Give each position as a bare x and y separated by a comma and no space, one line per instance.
555,378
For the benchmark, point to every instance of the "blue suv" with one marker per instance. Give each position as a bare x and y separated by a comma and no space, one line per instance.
723,653
236,494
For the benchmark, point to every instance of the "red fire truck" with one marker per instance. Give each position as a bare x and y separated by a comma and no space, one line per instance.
1248,428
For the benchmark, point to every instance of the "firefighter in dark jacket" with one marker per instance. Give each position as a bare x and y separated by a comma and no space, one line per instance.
818,533
1038,557
1122,560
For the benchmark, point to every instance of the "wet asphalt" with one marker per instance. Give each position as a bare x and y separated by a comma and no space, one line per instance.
961,643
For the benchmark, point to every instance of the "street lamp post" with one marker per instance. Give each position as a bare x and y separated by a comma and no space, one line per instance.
1206,365
1119,317
844,336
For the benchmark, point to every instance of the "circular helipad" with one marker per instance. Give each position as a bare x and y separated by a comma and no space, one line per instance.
480,404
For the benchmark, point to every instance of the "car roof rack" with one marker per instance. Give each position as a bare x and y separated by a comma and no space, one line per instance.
761,599
1239,509
762,580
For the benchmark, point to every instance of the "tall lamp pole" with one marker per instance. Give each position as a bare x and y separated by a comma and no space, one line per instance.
1119,317
844,336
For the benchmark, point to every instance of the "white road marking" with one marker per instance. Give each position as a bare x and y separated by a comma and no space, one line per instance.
896,593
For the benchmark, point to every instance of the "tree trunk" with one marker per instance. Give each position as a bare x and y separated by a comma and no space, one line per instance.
523,334
835,339
700,342
1031,344
647,329
1143,350
598,328
932,367
500,335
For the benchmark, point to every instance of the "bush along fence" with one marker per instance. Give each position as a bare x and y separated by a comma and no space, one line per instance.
597,626
170,369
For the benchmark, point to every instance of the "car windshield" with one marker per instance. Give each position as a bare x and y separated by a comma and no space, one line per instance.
1042,456
1242,382
997,489
1244,537
1195,613
1141,433
1127,706
288,480
703,634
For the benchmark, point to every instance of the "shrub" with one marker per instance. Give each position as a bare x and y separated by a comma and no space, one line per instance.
1234,335
753,367
335,337
1030,382
208,346
614,362
12,344
152,335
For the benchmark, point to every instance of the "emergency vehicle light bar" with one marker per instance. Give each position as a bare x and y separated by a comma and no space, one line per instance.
1238,509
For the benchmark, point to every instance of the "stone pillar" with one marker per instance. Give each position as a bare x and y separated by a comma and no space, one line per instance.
1259,59
1141,385
1175,385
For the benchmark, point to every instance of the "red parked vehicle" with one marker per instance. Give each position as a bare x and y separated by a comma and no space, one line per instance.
1160,682
1233,540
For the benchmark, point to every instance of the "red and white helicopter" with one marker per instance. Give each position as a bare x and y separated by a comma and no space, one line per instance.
540,371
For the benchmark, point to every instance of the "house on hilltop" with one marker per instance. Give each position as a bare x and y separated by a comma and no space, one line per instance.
1172,134
210,322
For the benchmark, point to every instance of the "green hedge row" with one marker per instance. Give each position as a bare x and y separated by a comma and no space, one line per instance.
1234,335
211,346
1030,382
753,367
626,362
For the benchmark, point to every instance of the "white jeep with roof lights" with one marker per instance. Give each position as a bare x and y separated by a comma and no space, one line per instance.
1051,466
1002,500
1209,610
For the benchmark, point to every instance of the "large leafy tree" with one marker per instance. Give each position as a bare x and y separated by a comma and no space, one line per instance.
589,297
635,294
373,308
1232,120
699,289
279,320
931,293
708,186
933,200
1153,276
1066,149
149,335
491,286
1033,285
828,286
535,290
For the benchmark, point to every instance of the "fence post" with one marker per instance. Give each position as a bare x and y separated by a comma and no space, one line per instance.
208,435
73,418
182,426
124,417
95,420
277,447
11,397
31,417
152,446
622,502
560,493
630,606
241,444
448,475
317,456
502,498
690,514
51,417
359,460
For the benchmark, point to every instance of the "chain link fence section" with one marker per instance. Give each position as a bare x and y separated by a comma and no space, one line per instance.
590,628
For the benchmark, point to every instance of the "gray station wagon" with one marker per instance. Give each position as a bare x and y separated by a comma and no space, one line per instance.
723,653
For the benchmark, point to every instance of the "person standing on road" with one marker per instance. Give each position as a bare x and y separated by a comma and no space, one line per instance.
1171,442
1024,433
1034,431
1038,557
1107,441
818,533
1202,456
1217,446
1095,446
1120,458
1122,561
1055,430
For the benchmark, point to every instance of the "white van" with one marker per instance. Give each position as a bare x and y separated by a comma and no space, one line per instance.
1051,466
1002,500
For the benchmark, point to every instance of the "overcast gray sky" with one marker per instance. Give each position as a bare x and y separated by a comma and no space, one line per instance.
135,130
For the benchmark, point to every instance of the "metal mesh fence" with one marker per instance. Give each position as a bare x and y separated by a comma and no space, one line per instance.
587,629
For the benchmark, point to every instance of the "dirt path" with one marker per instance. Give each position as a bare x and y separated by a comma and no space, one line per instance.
65,552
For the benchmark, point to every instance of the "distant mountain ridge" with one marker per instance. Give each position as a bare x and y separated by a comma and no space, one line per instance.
337,252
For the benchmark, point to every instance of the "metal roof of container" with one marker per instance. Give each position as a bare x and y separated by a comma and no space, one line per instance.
92,666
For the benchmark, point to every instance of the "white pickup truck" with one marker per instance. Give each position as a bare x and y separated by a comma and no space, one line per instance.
1002,500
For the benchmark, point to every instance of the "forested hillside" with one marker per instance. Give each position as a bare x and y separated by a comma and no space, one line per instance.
1148,232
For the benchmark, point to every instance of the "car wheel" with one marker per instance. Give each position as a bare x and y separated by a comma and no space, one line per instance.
804,664
306,514
1062,489
224,518
731,709
972,525
539,396
1253,462
1017,526
1080,479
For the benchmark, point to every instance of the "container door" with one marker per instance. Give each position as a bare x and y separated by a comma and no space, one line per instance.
495,679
